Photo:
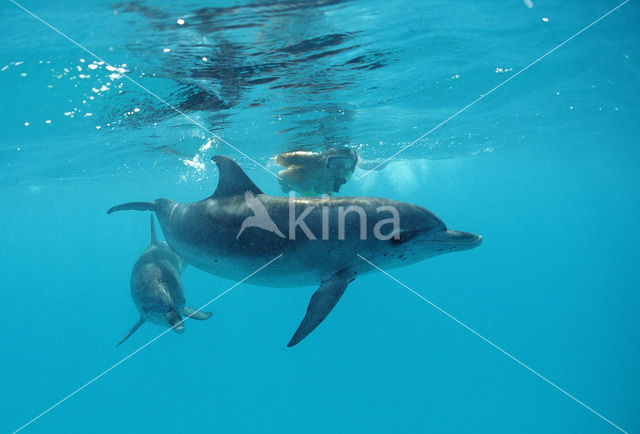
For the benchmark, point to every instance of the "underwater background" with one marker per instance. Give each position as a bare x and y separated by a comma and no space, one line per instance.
546,168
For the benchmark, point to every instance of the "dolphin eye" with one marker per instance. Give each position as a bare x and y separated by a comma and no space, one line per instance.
397,241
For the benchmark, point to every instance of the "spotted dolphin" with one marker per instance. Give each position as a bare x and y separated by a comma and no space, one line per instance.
325,238
156,288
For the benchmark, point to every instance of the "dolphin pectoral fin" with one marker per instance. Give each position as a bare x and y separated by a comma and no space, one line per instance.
132,331
175,321
154,238
195,314
322,301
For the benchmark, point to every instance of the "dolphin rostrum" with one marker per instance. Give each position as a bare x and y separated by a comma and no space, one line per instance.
239,228
156,288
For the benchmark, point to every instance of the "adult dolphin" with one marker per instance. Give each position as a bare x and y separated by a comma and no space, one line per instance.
156,288
319,238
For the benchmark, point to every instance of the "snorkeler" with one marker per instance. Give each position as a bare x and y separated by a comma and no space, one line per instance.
316,173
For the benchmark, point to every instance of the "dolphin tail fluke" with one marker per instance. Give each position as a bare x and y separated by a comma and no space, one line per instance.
190,312
322,301
135,206
132,331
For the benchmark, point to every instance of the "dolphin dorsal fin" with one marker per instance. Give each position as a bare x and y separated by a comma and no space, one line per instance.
232,180
154,239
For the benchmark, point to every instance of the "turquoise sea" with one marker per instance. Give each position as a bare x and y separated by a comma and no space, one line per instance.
546,167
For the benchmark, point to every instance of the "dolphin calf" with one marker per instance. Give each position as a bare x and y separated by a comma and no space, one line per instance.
229,235
156,288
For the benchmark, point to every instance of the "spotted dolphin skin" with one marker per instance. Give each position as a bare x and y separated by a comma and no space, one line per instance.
156,288
323,237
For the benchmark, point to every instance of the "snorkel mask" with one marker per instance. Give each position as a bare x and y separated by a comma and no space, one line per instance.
343,159
341,163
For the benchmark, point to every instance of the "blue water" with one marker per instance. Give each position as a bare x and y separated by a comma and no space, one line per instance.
546,168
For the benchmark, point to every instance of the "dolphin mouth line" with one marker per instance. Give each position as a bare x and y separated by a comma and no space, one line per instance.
455,238
469,241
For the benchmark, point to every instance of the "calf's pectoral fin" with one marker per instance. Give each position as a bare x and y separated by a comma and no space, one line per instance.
136,206
175,321
322,301
132,331
190,312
